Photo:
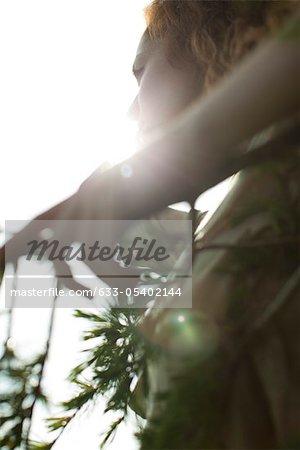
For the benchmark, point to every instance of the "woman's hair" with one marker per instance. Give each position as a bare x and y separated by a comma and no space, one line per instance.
214,34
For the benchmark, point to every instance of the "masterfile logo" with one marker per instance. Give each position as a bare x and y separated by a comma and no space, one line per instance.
102,263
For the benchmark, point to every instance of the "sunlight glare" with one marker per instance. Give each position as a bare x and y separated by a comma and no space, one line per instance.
121,145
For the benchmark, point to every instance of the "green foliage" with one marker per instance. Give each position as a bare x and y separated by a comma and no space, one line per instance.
109,435
117,356
39,446
189,417
192,414
192,411
291,31
20,388
55,423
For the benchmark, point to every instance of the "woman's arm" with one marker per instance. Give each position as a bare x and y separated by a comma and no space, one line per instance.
192,154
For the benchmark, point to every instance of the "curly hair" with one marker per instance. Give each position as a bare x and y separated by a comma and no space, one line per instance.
214,34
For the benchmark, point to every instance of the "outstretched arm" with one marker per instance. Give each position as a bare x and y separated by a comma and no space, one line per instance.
197,150
192,153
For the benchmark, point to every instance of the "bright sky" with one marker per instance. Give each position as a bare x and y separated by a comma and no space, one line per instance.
65,87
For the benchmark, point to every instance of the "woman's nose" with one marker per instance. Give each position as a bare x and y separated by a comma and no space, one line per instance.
133,111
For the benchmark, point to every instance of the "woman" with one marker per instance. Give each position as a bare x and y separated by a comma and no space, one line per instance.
188,47
223,388
273,69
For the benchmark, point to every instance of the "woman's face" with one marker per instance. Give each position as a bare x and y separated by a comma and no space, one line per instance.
165,89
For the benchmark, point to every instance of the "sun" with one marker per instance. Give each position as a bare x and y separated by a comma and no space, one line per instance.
121,141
